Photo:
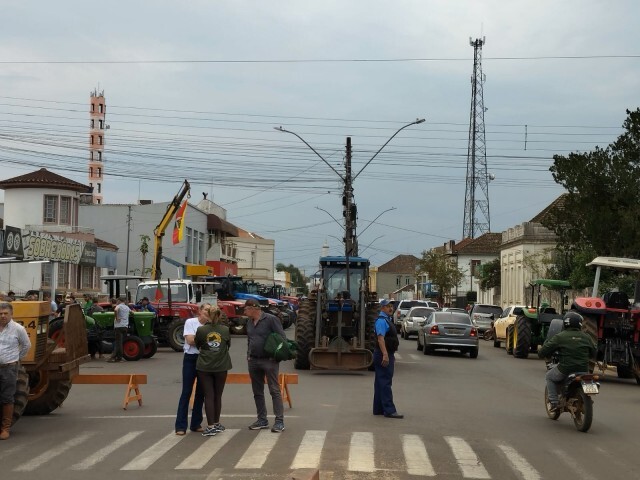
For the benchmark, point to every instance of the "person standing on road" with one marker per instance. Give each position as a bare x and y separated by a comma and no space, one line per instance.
189,374
213,341
384,361
259,327
14,345
120,327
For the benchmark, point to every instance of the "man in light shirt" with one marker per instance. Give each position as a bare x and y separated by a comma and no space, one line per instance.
14,345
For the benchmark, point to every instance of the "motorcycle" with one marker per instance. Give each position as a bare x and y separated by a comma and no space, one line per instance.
575,397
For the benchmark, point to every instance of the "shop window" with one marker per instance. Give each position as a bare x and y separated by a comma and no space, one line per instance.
50,209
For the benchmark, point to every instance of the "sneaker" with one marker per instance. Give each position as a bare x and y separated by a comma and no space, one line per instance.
259,425
278,427
219,427
210,431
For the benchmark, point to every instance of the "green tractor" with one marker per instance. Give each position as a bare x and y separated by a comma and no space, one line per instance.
139,341
530,329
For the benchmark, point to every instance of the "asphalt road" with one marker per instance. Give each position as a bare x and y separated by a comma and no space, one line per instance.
464,418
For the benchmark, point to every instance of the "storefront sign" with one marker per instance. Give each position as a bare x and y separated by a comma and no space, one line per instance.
28,245
13,243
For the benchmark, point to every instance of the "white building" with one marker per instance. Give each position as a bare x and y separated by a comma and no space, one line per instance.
44,247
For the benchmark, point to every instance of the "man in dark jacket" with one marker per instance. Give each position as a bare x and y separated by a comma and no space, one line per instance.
574,348
259,326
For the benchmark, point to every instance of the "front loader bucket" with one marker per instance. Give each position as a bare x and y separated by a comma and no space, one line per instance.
339,355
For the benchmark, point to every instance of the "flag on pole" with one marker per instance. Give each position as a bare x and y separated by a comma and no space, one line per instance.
158,292
178,227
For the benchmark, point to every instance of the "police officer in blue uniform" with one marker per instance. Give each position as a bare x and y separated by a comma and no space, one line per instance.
384,361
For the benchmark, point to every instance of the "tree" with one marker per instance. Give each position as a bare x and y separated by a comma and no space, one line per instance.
298,280
442,272
490,274
601,209
144,249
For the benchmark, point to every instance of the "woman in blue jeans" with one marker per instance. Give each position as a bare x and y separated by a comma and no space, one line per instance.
189,375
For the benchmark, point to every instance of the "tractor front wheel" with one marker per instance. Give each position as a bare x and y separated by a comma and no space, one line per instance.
132,348
305,333
45,394
150,349
22,393
509,343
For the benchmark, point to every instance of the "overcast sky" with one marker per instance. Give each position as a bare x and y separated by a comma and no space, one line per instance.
194,89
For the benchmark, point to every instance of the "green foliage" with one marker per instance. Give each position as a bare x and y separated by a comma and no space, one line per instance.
601,210
490,274
298,280
442,272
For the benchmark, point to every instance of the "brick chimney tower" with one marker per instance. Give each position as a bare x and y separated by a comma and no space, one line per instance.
97,129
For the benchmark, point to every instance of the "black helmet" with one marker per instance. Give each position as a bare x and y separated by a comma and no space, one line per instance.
572,320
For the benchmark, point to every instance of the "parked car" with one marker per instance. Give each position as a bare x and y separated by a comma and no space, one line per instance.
506,318
455,309
403,307
449,331
481,315
433,304
413,320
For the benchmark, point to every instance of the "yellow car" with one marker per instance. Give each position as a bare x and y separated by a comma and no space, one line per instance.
500,324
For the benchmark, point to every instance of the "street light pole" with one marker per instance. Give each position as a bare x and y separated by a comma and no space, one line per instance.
349,210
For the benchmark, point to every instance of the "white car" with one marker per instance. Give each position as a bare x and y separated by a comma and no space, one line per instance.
403,307
506,318
414,320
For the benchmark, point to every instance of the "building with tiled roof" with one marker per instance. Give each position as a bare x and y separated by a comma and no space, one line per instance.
395,275
43,178
523,248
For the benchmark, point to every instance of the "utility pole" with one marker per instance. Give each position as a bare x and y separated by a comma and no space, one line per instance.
349,209
476,199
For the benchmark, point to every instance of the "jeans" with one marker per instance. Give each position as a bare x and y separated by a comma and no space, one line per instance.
554,378
382,394
117,344
188,378
8,381
259,368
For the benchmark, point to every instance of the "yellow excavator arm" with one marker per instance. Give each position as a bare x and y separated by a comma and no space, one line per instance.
158,233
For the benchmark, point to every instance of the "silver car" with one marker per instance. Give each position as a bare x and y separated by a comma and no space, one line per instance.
481,315
449,331
415,318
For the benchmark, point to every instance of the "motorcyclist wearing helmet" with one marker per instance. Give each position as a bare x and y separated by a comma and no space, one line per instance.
574,348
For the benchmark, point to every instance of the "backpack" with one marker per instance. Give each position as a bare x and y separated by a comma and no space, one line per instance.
279,348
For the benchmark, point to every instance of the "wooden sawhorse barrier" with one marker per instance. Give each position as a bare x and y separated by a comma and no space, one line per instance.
284,379
132,381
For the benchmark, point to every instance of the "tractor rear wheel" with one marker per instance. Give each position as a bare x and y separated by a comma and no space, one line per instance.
523,338
509,343
45,394
305,333
22,394
132,348
175,334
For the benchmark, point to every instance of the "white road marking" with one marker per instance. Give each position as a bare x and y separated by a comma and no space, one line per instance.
129,417
415,454
414,356
397,356
575,466
361,452
38,461
101,454
519,463
308,455
257,453
154,452
466,458
207,450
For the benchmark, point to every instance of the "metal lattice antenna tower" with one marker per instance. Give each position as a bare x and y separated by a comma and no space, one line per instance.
476,198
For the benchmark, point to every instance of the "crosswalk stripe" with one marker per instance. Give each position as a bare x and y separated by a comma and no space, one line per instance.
308,455
361,452
153,453
207,450
30,466
414,356
415,454
398,356
519,463
467,460
101,454
257,453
